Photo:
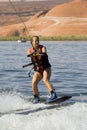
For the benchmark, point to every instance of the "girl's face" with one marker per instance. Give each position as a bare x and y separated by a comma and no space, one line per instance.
35,42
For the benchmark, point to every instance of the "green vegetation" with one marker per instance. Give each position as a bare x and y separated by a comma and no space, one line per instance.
65,38
53,38
11,38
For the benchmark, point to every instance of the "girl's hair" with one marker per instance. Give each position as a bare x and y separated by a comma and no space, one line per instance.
37,37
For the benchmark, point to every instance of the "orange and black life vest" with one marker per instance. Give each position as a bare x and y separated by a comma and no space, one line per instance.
39,59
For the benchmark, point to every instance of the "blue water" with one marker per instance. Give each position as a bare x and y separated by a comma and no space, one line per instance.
69,77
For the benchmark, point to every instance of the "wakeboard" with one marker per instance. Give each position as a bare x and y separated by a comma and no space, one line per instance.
59,100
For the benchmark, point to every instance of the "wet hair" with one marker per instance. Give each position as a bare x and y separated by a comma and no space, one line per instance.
37,37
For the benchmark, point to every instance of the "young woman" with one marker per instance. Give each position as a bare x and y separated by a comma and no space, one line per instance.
42,69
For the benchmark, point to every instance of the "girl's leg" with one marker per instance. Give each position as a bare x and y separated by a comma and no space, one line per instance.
36,78
46,79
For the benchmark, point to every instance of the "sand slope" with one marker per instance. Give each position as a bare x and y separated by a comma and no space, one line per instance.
65,19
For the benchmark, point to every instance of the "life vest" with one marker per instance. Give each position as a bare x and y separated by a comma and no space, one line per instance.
39,60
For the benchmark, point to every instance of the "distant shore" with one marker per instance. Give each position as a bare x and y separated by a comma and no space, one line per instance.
60,22
54,38
25,9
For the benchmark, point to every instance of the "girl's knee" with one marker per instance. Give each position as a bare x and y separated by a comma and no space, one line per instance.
34,83
45,81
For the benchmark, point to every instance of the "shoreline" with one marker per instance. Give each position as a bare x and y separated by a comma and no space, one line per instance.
50,38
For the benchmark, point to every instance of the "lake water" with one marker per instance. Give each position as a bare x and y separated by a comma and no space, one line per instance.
69,77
